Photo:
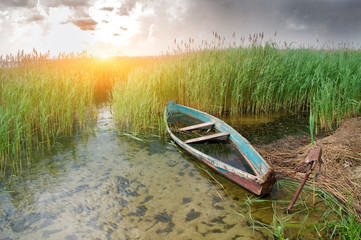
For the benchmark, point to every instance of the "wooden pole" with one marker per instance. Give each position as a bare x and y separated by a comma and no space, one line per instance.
313,157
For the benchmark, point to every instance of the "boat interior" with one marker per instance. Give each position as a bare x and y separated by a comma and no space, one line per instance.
204,137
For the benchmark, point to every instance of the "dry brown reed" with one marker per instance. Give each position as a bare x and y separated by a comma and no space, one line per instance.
22,58
340,160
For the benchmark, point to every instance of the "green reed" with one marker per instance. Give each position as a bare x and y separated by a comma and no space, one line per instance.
43,97
245,80
36,107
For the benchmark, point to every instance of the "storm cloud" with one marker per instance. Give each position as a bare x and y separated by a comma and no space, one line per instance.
35,17
328,19
67,3
17,3
153,25
126,7
109,9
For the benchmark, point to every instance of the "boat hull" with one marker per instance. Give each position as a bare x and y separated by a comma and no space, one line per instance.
260,183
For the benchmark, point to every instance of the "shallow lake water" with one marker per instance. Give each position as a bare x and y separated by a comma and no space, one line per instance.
108,185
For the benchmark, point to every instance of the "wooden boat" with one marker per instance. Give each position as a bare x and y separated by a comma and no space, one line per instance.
219,146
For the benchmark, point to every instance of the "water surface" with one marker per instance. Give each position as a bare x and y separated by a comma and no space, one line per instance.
111,186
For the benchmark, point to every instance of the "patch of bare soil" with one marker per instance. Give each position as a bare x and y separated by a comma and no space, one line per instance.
340,172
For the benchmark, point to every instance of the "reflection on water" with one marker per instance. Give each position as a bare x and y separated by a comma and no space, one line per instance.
266,128
108,186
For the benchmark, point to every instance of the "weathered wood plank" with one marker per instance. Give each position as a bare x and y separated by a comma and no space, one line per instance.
208,137
197,126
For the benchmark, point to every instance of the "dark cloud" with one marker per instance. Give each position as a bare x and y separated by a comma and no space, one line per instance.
80,12
329,18
159,22
18,3
85,24
79,8
302,22
66,3
35,18
126,7
109,9
294,20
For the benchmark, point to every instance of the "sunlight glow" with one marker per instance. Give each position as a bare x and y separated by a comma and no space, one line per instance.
103,56
113,28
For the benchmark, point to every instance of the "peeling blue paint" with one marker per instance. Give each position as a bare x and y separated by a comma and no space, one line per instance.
222,170
264,173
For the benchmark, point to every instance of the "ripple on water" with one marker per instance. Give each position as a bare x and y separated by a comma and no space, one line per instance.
107,189
109,186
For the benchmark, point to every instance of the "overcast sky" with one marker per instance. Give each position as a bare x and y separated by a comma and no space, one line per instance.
145,27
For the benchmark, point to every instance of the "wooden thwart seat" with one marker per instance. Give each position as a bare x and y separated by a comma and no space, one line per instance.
197,126
208,137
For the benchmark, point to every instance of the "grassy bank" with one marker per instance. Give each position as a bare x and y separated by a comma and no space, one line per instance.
240,81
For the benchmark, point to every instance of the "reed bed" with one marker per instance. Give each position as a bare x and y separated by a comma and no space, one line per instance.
36,107
43,97
245,80
259,77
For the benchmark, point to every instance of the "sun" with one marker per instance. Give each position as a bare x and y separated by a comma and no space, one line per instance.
103,56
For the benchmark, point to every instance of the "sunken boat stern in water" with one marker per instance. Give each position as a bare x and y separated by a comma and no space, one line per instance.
219,146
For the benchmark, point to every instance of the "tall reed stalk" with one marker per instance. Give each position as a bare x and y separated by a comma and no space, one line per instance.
312,127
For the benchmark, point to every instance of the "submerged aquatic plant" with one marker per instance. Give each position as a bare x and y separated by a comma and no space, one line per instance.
334,223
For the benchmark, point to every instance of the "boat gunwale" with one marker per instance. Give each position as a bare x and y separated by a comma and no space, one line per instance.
260,167
211,160
258,178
